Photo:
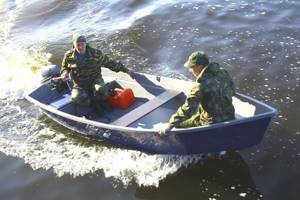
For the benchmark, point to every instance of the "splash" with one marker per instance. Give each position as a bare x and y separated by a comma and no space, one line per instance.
19,69
18,65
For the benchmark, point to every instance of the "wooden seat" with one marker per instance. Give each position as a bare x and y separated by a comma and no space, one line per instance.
146,108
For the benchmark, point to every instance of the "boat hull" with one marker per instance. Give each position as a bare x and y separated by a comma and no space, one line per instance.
231,137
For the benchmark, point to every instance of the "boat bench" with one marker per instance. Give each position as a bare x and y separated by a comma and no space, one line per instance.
146,108
61,102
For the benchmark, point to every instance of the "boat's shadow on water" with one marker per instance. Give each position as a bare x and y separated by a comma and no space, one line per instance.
213,178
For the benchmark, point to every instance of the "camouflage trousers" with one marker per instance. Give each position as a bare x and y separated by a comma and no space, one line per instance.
202,119
84,95
193,121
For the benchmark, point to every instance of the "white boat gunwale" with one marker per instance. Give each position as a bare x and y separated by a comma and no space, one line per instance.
51,109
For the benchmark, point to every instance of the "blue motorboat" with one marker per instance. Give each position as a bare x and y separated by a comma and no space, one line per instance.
156,99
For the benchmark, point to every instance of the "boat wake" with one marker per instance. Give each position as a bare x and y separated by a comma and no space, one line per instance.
44,145
27,134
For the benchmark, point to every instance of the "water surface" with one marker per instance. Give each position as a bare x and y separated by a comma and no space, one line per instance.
258,42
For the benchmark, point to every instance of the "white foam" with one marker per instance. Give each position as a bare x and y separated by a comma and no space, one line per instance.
44,147
19,69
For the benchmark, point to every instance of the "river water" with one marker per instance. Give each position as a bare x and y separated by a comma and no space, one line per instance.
257,41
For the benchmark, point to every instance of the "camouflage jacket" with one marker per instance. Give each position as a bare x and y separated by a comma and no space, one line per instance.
86,73
209,101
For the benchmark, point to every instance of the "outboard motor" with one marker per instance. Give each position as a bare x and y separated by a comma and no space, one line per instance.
49,72
58,84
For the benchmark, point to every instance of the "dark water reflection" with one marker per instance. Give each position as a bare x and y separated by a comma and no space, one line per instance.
213,178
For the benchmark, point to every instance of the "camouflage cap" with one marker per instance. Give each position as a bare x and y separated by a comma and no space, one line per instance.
197,58
78,38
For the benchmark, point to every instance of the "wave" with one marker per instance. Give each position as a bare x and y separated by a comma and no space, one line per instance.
27,134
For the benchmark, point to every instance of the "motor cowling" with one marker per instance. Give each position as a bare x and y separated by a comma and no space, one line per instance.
49,72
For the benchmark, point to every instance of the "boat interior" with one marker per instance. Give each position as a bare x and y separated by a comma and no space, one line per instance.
156,99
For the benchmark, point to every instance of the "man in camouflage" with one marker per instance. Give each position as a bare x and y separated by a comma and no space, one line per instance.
84,65
210,99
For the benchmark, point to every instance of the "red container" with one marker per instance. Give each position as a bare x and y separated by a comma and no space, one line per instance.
122,99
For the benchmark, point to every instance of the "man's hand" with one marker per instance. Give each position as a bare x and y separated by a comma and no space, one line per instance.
56,79
64,76
164,130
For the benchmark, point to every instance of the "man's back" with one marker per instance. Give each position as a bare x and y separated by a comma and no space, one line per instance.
217,89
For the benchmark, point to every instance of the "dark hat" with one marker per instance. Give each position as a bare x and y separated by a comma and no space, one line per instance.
197,58
78,38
